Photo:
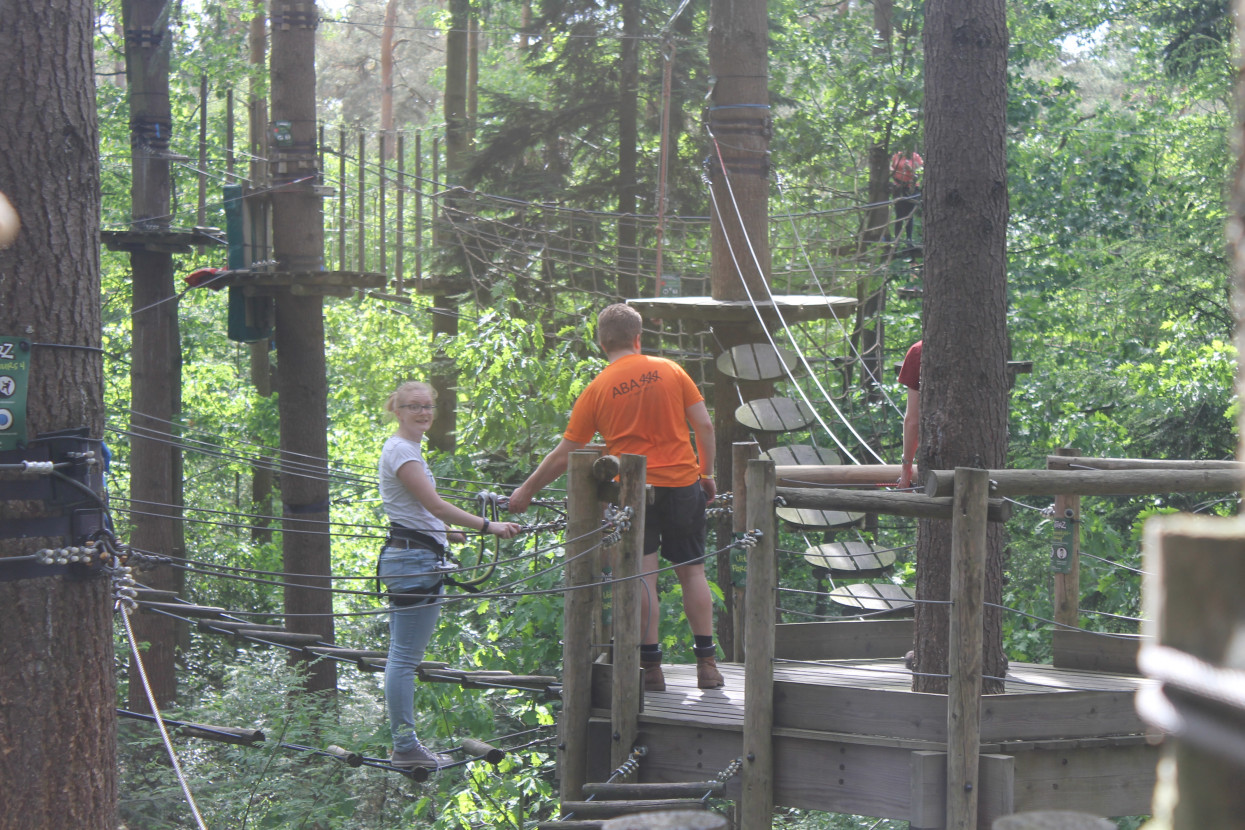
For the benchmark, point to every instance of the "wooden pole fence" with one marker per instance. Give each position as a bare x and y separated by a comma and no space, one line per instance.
757,797
582,518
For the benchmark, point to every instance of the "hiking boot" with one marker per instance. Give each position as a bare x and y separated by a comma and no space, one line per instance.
654,680
419,756
707,674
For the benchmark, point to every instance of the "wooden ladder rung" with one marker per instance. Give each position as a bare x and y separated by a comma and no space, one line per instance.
674,789
610,809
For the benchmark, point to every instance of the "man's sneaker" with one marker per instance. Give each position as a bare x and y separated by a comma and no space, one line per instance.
419,756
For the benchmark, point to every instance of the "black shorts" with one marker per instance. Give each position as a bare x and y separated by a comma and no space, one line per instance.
675,523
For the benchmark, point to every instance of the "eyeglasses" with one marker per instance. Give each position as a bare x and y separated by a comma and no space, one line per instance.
418,407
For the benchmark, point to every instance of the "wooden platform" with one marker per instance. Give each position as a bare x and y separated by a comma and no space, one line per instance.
850,737
791,307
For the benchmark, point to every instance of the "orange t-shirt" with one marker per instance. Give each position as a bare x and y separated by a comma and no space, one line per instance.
639,404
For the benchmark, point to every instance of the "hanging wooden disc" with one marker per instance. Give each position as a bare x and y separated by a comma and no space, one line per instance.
757,361
874,596
797,454
808,519
850,559
774,415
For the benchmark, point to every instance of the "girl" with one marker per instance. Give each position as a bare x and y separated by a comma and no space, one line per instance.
411,561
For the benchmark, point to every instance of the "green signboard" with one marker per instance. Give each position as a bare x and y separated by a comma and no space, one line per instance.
1061,544
14,371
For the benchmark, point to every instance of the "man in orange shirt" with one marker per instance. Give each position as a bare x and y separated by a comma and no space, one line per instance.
643,405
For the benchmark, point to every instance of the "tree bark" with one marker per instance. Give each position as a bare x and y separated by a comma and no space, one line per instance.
628,138
155,374
444,376
386,80
302,388
57,687
964,382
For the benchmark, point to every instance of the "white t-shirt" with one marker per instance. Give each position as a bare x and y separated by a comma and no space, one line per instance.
401,506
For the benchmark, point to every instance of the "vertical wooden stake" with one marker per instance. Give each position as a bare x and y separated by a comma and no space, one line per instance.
1067,599
419,205
382,174
582,518
968,583
741,453
341,199
1192,602
201,213
627,693
362,235
399,243
757,798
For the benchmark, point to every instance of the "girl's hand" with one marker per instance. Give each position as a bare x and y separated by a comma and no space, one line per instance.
504,530
456,536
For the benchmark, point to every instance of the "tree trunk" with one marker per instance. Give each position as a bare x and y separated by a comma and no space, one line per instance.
386,80
302,389
57,687
155,375
739,123
628,137
964,384
444,376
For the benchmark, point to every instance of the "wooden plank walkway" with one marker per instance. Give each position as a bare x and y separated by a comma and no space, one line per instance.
850,735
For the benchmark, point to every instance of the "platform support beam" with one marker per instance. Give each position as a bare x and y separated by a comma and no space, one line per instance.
757,799
968,580
582,518
627,693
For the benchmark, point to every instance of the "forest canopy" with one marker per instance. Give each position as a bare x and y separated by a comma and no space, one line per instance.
1118,165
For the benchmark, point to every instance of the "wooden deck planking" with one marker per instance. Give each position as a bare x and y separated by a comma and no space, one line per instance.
846,734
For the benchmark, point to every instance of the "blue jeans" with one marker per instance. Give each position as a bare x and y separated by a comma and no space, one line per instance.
410,628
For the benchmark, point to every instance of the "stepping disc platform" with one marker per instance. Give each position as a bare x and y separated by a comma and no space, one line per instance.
758,361
874,596
850,560
803,517
775,415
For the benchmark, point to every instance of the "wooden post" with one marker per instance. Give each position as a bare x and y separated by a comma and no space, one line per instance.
230,159
627,693
341,199
968,581
757,797
582,517
1067,598
361,234
1192,603
741,453
201,210
381,175
419,205
399,242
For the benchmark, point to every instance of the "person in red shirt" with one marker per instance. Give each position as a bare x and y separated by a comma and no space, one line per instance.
905,189
643,405
910,376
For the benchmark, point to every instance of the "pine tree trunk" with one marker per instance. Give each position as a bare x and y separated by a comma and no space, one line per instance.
964,385
628,138
302,388
57,688
155,374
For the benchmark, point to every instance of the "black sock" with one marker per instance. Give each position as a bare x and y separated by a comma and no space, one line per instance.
650,648
703,641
